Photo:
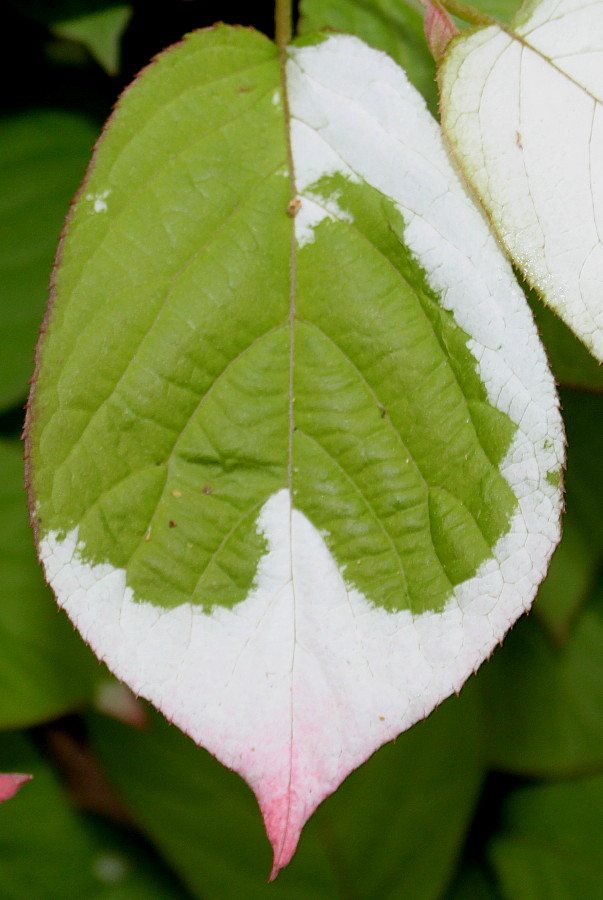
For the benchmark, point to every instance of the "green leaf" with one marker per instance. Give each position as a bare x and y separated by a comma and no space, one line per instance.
569,579
45,670
522,112
48,851
389,25
504,10
543,703
42,159
472,884
46,12
584,478
572,364
100,32
550,842
578,558
295,446
393,830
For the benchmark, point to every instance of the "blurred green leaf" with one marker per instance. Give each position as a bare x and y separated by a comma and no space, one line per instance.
472,884
43,156
48,11
550,848
503,10
580,553
568,580
583,415
45,668
49,852
571,362
393,830
544,704
100,32
389,25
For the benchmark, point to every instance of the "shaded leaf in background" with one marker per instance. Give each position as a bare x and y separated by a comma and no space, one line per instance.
393,830
572,364
542,702
579,556
216,437
584,476
568,581
43,156
522,112
472,883
100,32
48,851
504,10
550,845
45,669
47,12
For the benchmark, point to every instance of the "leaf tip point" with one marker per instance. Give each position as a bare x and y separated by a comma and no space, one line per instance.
284,823
439,30
282,856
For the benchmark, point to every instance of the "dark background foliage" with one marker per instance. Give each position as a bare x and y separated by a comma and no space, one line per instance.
499,794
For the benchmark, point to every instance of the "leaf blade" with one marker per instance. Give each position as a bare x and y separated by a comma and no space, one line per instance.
229,639
521,109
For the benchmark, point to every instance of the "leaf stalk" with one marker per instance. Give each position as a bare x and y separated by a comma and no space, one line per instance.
283,23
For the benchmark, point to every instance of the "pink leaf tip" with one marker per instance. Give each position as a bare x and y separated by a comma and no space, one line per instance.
10,784
284,818
439,30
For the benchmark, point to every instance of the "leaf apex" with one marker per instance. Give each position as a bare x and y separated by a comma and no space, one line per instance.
284,820
439,30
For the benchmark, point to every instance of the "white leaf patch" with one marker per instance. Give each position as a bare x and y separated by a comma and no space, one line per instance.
299,683
523,113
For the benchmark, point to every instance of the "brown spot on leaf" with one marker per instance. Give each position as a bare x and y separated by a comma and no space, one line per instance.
293,207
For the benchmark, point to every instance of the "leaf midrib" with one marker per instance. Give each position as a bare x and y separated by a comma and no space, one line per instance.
291,416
